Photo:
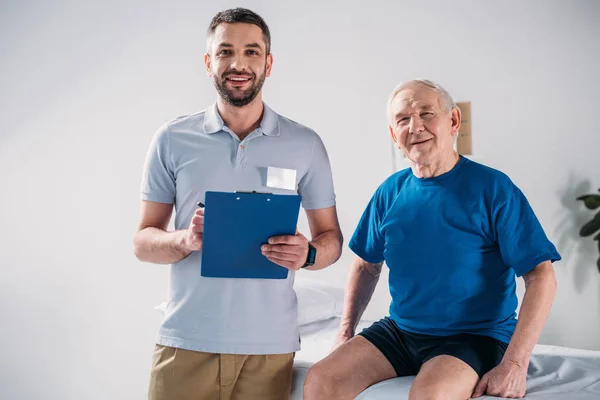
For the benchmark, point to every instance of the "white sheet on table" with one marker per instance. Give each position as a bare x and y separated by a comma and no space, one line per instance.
555,373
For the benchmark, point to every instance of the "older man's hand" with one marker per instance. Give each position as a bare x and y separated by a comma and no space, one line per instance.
508,379
289,251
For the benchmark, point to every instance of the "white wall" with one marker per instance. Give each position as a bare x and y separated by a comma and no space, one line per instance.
84,87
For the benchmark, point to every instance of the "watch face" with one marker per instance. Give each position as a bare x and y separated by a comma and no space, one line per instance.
312,254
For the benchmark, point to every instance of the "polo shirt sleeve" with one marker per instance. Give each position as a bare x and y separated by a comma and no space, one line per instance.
316,186
520,236
158,178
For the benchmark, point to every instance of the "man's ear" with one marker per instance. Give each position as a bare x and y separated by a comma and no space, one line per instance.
396,140
455,118
207,64
269,64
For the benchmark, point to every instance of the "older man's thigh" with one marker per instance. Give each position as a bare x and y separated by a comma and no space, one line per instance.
444,377
347,371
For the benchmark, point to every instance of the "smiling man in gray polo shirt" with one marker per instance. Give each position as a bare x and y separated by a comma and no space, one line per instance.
228,338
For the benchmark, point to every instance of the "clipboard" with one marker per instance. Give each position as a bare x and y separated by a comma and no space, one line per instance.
236,224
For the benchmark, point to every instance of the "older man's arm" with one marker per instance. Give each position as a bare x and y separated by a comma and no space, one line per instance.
361,283
509,378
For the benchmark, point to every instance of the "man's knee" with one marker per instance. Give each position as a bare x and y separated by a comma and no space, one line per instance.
429,392
320,383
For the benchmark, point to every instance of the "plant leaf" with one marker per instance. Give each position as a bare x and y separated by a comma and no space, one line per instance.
591,227
591,201
598,264
597,237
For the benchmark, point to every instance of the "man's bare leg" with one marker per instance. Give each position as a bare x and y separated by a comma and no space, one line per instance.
444,377
347,371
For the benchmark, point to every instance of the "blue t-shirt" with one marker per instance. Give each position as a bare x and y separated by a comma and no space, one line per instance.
453,244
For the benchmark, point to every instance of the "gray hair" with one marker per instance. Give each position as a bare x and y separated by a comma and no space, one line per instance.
445,99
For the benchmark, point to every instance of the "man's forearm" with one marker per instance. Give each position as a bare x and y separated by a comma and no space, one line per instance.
537,302
329,249
160,247
361,284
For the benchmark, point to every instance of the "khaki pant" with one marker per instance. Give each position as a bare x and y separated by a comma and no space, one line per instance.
190,375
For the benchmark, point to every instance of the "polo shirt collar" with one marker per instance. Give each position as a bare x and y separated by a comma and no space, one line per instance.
269,125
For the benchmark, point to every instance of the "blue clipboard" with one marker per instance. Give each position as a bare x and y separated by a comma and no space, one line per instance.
235,227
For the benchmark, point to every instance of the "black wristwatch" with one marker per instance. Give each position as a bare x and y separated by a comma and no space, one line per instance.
311,256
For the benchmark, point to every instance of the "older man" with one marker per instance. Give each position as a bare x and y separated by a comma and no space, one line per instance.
454,233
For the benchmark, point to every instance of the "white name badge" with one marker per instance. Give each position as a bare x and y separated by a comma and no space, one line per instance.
281,178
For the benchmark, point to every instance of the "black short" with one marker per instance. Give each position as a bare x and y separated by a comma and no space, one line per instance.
407,351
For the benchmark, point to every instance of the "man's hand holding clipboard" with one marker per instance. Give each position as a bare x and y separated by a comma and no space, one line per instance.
289,251
192,240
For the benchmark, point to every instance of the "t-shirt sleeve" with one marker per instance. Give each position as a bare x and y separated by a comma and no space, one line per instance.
158,179
316,186
367,242
521,238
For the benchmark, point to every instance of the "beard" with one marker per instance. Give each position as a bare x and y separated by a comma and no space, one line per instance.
238,97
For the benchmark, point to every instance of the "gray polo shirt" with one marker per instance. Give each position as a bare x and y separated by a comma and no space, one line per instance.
197,153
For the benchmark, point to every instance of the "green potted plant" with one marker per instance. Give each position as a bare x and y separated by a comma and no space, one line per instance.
592,202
